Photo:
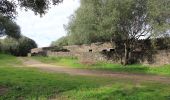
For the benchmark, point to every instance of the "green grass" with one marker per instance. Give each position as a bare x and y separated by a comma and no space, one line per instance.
136,68
8,60
32,84
35,85
62,61
122,91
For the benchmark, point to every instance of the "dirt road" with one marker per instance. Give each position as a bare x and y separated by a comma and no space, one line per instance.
72,71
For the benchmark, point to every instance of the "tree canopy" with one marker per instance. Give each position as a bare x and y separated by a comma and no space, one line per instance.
9,27
8,13
17,47
63,41
140,18
124,21
8,7
90,23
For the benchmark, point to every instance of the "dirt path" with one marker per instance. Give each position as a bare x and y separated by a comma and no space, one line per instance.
59,69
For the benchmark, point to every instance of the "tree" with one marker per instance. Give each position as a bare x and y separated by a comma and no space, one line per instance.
126,21
9,45
9,27
8,13
25,46
87,24
140,18
63,41
17,47
8,7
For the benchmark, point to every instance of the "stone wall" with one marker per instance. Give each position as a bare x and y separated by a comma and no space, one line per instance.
160,57
85,57
105,52
94,47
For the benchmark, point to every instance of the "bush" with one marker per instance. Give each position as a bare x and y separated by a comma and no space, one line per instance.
20,47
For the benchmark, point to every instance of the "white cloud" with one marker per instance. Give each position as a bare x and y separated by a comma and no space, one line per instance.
50,26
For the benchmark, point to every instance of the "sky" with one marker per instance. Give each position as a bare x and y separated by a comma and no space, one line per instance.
48,28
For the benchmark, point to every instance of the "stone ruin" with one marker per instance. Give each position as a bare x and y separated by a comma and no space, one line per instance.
107,52
94,47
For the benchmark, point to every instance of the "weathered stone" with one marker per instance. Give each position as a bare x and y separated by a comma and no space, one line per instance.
105,52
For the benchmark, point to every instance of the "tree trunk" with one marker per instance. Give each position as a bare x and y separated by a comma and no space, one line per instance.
126,58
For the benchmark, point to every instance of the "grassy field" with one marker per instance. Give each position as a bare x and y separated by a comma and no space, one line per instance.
32,84
136,68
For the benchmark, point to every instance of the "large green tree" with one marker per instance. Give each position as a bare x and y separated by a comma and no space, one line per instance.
17,47
135,19
126,21
88,24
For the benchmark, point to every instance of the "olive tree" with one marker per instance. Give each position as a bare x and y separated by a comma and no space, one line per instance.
135,19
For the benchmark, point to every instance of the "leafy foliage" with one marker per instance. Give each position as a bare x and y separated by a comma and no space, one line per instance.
140,18
8,7
20,47
63,41
89,23
124,21
8,13
38,6
9,27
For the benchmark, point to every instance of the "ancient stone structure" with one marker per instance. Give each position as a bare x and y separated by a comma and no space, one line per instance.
40,51
94,47
160,57
85,53
104,52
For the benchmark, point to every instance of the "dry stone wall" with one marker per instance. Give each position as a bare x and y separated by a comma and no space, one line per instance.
160,57
94,47
84,57
94,53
